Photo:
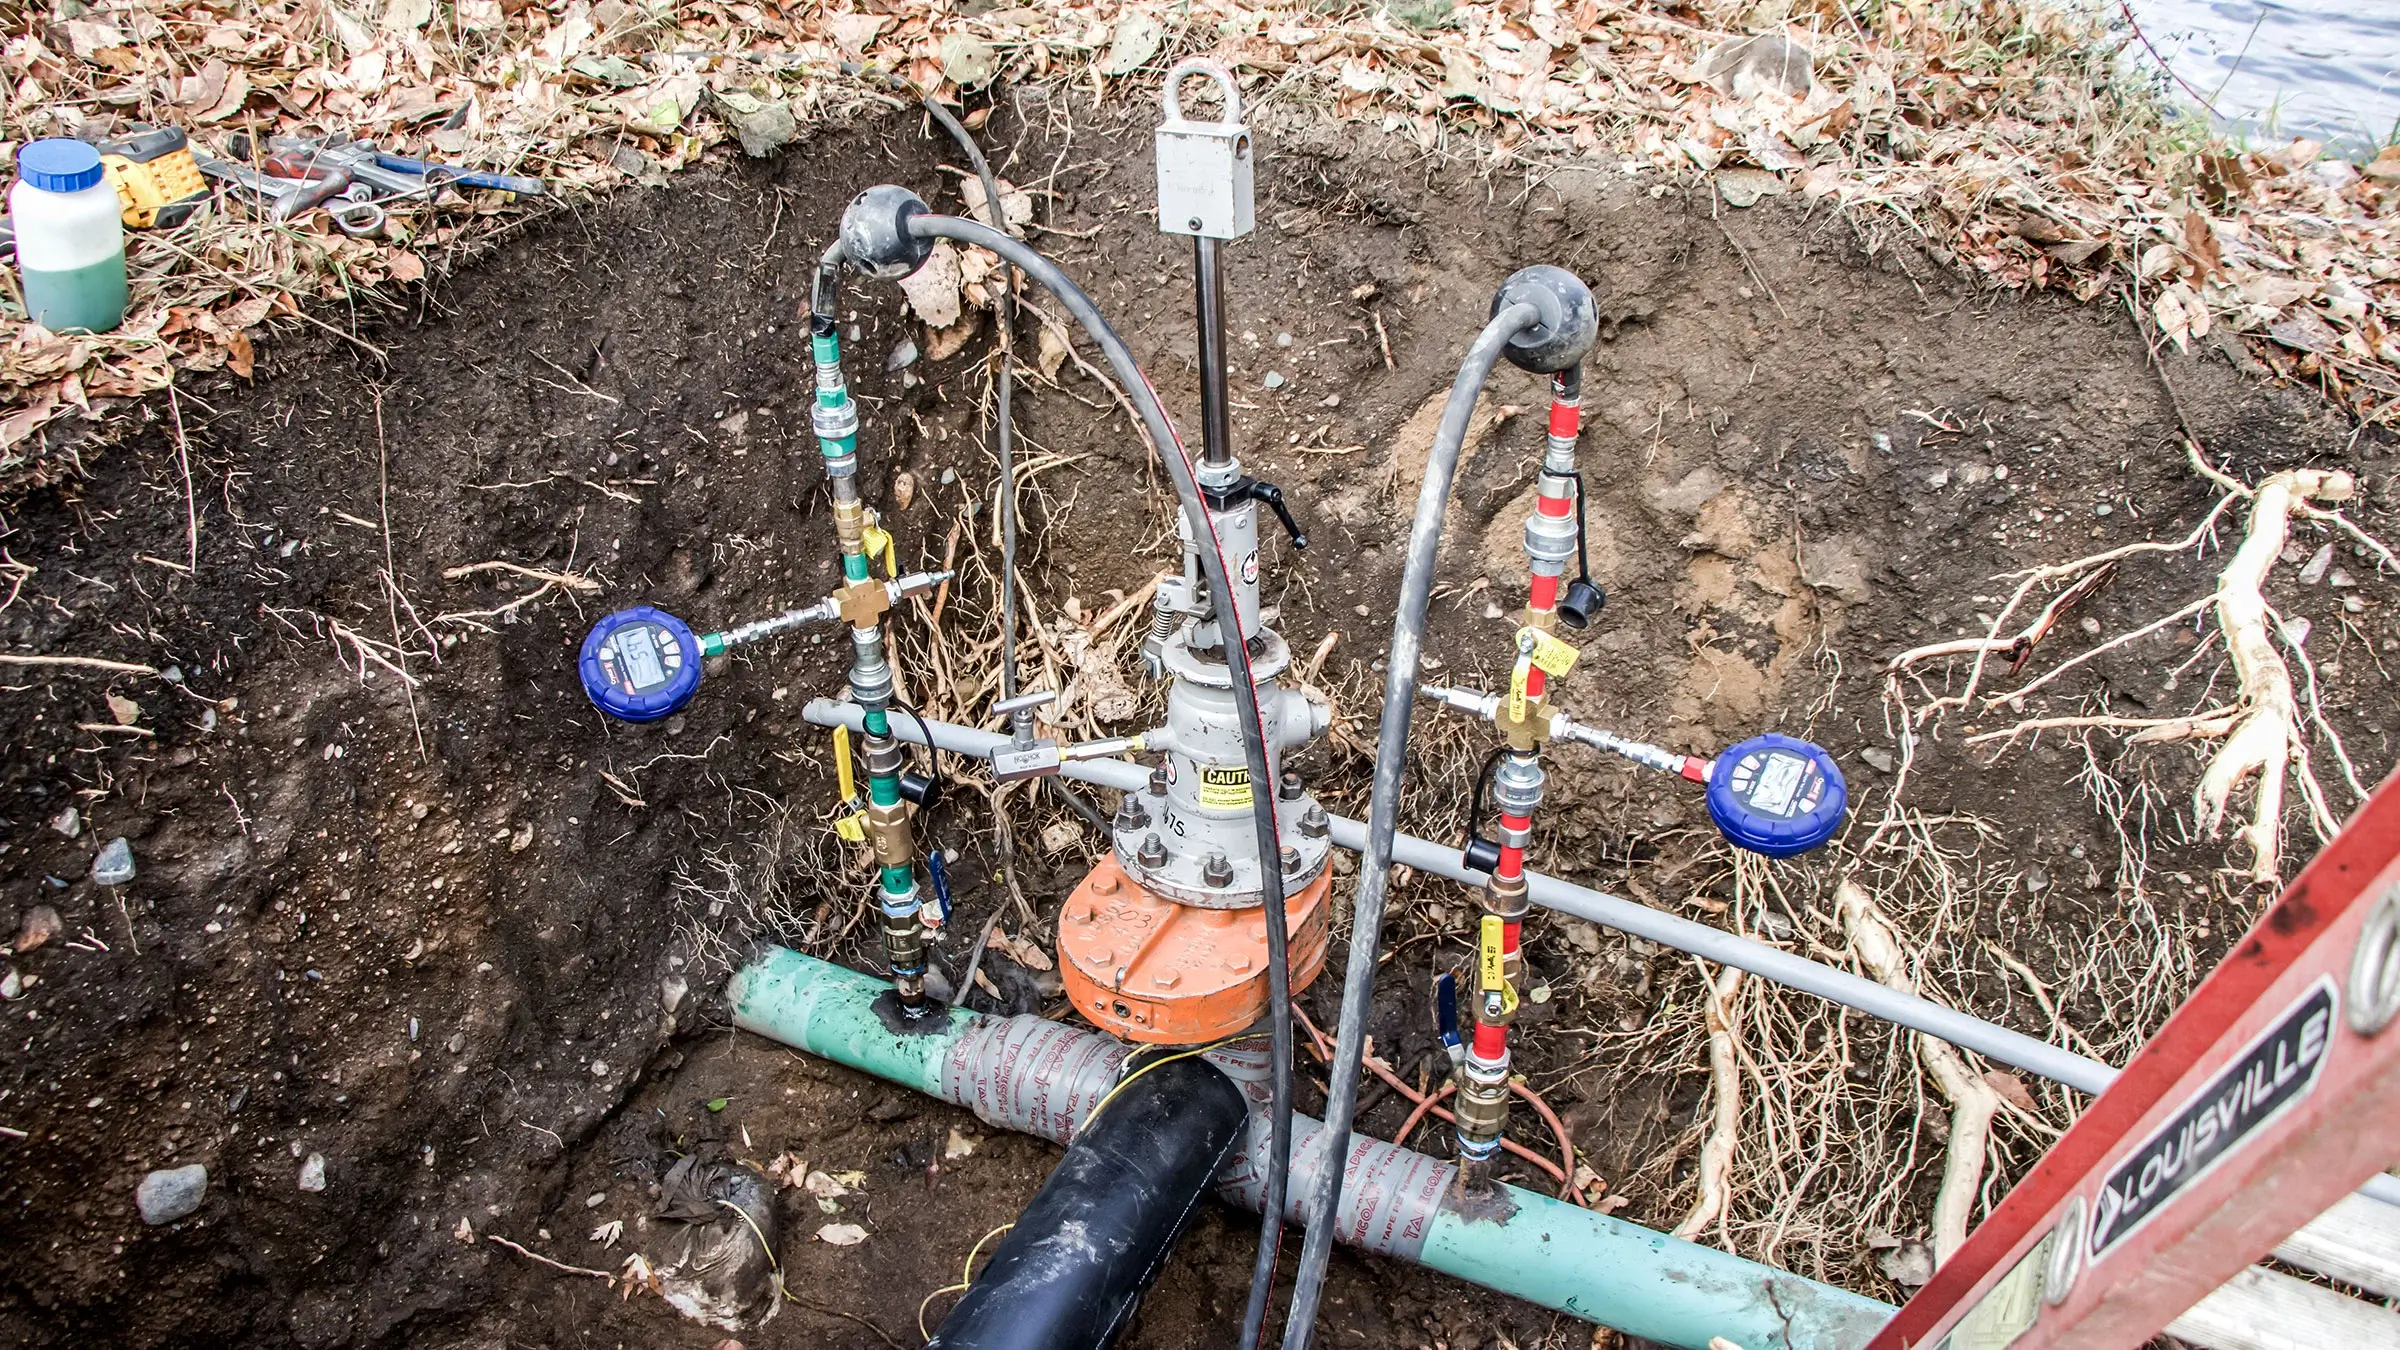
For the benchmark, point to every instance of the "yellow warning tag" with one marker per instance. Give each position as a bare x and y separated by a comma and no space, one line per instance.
880,545
1516,688
844,777
852,827
1553,654
1225,789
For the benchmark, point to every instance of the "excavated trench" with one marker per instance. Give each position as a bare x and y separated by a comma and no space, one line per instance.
405,904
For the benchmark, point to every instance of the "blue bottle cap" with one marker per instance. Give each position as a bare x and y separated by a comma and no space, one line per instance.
59,165
1777,796
640,664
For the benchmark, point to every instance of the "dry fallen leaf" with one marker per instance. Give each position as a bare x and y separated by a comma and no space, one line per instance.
2011,1087
1023,951
1050,353
842,1234
125,710
932,289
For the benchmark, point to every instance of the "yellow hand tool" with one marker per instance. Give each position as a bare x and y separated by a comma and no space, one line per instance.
157,180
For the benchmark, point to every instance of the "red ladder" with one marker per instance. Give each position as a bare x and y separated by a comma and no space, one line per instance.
2271,1094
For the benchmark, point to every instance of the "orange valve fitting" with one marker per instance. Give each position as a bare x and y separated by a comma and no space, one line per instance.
1148,969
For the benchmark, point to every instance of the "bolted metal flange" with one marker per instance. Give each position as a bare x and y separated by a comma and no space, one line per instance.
1216,870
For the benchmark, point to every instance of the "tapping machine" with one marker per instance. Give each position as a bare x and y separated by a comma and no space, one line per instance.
1208,911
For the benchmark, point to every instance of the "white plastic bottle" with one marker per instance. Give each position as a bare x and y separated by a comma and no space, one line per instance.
70,238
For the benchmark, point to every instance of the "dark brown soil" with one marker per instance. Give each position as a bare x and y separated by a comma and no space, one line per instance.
424,932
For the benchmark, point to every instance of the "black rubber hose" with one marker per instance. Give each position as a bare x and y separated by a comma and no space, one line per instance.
1072,1271
1237,662
1391,758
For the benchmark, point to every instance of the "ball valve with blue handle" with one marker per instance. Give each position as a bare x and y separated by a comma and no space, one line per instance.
642,664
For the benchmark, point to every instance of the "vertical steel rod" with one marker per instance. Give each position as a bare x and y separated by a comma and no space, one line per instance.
1216,419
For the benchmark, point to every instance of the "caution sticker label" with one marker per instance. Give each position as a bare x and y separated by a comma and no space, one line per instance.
1553,654
1225,789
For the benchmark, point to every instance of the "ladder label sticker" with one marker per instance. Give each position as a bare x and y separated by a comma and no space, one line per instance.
2009,1307
2272,1075
1225,789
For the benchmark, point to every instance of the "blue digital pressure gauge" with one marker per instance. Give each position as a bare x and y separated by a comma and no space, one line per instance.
640,664
1777,796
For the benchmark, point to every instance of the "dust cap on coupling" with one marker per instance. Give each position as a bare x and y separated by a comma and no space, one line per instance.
1776,795
1568,318
640,664
875,235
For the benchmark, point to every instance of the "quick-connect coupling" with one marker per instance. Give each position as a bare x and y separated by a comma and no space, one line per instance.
870,674
835,422
1558,453
884,757
849,515
1549,543
1508,898
1517,785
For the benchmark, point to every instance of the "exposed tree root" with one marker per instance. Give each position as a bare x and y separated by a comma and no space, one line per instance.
2262,735
1725,1112
2260,732
1973,1102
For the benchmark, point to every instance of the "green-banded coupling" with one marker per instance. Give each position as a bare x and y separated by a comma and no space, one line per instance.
835,418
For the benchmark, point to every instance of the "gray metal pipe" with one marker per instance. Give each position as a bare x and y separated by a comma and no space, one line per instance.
1988,1039
1713,944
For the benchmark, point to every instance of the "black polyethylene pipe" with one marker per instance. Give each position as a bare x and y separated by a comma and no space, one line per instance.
1071,1273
